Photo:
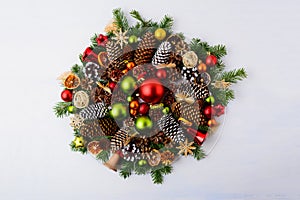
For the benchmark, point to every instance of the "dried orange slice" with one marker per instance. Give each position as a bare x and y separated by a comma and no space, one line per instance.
103,59
72,81
94,147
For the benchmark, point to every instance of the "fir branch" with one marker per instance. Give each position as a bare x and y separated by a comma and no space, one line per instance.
234,76
103,156
120,19
218,50
199,47
157,175
126,169
94,40
136,15
61,109
223,96
166,22
141,170
78,70
198,153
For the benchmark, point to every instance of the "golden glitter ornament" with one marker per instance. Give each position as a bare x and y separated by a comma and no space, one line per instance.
78,142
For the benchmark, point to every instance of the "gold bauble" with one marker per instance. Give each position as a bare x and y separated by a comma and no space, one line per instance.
160,34
78,142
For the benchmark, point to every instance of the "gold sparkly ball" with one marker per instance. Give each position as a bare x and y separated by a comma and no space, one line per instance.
78,141
160,34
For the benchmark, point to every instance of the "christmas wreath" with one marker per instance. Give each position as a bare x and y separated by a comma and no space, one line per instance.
142,96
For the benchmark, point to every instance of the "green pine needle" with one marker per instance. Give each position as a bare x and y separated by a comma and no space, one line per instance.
218,50
126,169
198,153
103,156
120,19
158,174
234,76
166,22
61,109
136,15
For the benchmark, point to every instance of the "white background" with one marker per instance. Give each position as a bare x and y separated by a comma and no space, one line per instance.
258,156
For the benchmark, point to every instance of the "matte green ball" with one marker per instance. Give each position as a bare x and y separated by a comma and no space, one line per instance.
142,162
210,99
132,39
128,84
118,111
71,109
129,98
143,123
166,110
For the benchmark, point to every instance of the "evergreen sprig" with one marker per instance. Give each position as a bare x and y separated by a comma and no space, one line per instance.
141,170
166,22
223,96
103,156
61,109
199,47
136,15
126,169
198,153
218,50
234,76
120,19
158,174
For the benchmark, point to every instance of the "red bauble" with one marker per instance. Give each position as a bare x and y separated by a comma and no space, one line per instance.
66,95
144,108
102,40
211,60
208,111
151,91
112,85
161,74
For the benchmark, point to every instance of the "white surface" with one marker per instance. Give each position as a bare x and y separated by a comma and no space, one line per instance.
258,156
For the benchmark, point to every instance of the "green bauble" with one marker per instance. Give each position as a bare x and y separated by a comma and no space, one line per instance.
142,162
166,110
143,123
118,111
210,99
132,39
128,84
71,109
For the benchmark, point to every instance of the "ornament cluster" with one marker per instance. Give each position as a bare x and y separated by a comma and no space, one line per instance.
143,96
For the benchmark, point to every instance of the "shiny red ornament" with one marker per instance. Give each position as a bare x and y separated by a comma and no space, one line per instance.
199,137
144,108
66,95
208,111
151,91
161,74
219,110
102,40
112,85
211,60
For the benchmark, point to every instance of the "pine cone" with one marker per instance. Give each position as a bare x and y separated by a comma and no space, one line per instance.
119,140
86,84
176,59
94,111
162,54
179,46
145,50
90,130
174,74
100,95
190,74
155,114
113,51
191,112
116,75
128,53
171,128
108,126
93,71
169,98
118,96
192,90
